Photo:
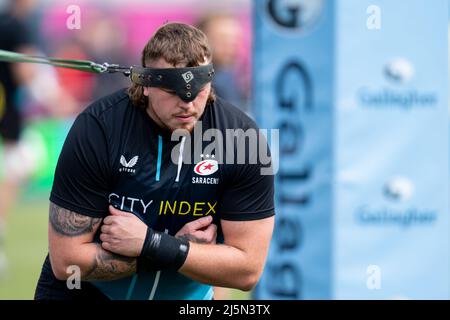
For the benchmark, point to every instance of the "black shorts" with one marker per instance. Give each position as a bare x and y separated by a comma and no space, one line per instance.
10,124
50,288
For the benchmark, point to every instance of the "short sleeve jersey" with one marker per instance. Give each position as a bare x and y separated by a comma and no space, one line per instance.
116,154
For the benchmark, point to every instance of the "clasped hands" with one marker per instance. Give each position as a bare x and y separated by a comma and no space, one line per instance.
124,233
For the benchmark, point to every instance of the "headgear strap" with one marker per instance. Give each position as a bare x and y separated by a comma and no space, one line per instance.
186,82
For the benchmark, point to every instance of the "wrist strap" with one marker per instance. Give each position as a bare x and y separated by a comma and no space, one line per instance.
162,251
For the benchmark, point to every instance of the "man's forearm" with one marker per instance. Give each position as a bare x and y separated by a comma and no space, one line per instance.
95,263
105,265
71,244
239,262
220,265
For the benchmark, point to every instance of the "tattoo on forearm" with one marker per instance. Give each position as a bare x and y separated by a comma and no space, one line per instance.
191,238
109,266
69,223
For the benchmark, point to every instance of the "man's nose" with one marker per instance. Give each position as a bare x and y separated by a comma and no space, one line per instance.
185,105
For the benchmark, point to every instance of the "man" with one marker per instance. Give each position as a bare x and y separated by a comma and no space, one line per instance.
17,161
224,34
14,36
138,225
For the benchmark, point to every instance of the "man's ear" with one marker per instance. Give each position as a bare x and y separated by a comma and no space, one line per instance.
146,91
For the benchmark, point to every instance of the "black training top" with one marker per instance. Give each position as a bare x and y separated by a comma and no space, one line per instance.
116,154
13,36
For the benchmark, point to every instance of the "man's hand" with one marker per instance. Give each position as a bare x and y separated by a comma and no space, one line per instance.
124,233
200,231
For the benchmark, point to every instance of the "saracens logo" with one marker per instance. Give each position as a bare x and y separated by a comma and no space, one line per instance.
206,167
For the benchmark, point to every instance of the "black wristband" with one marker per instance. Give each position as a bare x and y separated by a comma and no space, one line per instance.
162,251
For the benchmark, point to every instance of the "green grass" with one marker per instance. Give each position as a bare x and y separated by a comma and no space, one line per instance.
26,248
239,295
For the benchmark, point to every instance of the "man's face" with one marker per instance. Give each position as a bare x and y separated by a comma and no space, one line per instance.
168,110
